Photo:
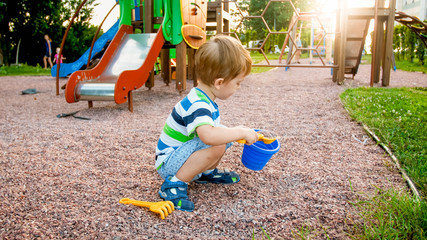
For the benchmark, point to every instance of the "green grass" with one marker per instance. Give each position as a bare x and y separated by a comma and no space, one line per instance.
264,234
402,64
411,67
23,70
366,59
389,214
258,57
398,117
307,232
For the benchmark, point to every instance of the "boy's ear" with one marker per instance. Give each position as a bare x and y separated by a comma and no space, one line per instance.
218,83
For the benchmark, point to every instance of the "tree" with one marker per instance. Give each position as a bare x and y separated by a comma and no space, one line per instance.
407,45
397,41
28,20
410,41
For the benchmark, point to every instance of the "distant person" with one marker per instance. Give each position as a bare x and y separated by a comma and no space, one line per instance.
57,58
48,53
298,51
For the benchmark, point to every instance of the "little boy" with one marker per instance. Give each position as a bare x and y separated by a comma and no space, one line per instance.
193,141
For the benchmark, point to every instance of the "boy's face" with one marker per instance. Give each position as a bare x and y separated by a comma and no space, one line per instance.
225,90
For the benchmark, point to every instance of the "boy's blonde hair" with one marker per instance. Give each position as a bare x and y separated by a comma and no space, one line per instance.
222,57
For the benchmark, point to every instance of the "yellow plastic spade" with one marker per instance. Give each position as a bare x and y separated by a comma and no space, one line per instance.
163,207
261,137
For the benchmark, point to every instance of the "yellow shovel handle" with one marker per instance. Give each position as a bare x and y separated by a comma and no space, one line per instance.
135,202
260,136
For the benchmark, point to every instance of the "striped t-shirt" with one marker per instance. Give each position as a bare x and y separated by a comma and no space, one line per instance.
195,110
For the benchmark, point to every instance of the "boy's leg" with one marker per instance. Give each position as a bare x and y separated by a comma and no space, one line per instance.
205,161
191,159
200,161
174,189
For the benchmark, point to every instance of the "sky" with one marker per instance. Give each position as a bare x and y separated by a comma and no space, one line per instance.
101,11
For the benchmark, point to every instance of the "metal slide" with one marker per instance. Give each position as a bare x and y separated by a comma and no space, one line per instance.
68,68
125,66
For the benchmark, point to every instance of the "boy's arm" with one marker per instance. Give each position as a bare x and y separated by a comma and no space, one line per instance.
211,135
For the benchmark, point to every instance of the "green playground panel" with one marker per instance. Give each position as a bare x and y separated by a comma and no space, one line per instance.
158,8
172,21
126,12
170,9
172,53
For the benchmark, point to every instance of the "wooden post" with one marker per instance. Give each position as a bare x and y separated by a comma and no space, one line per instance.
149,13
379,56
342,42
191,65
150,81
388,44
130,101
336,45
226,21
192,56
219,19
375,65
149,28
181,66
90,104
166,66
141,11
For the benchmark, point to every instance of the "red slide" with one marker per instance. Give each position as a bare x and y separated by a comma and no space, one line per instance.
125,66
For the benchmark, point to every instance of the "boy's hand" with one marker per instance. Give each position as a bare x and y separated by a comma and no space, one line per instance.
250,135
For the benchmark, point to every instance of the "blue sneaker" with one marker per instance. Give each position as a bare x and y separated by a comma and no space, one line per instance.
176,192
219,177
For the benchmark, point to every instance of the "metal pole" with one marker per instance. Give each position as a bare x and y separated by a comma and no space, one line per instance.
63,42
17,52
96,35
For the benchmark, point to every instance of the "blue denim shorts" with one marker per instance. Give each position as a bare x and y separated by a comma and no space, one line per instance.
177,158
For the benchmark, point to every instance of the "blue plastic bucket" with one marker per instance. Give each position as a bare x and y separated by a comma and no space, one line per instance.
256,156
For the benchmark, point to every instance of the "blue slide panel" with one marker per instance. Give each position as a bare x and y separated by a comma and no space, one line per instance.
69,68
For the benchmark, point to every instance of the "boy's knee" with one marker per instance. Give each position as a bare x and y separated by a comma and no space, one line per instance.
219,150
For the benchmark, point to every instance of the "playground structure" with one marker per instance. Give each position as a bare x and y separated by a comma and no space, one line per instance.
320,43
128,62
349,44
352,25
